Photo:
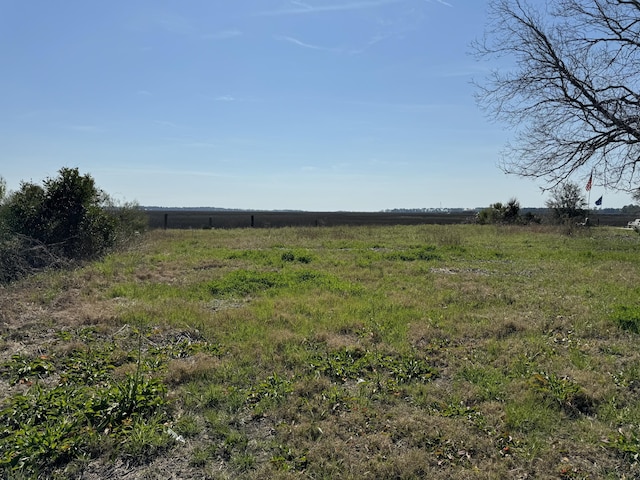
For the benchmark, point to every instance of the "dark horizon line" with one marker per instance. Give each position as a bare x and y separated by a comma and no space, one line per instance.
390,210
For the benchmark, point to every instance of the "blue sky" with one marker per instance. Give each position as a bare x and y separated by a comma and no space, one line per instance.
264,104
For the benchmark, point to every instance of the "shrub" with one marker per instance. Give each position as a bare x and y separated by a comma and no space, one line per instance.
66,218
492,214
567,203
504,213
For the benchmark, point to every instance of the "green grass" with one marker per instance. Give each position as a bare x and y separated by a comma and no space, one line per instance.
365,352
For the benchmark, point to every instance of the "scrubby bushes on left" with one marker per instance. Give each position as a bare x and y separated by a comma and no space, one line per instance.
65,219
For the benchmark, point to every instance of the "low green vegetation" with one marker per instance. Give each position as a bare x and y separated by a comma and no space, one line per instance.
429,351
508,213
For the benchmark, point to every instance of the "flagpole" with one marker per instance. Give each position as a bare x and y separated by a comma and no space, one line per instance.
589,197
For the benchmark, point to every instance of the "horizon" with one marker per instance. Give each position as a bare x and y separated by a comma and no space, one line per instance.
386,210
351,105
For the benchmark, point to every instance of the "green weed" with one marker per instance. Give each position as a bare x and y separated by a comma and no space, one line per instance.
289,459
25,369
627,317
273,388
244,282
73,405
490,381
627,443
424,253
360,364
563,392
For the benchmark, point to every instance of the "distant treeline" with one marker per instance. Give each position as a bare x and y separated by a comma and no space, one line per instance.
203,218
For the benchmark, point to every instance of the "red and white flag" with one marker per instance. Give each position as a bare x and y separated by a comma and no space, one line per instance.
588,187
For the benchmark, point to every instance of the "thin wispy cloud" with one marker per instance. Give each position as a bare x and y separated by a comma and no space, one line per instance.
340,166
225,98
398,106
373,41
301,4
37,114
375,162
84,128
173,23
351,51
200,145
153,170
180,25
299,43
456,70
300,8
222,35
165,123
441,2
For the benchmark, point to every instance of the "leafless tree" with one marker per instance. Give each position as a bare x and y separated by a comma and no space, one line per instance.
570,89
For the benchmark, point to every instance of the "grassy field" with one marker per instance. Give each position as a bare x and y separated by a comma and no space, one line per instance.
442,352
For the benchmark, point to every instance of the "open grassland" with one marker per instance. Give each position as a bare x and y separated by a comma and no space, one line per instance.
443,352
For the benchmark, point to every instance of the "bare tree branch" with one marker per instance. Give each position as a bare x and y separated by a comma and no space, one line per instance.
572,96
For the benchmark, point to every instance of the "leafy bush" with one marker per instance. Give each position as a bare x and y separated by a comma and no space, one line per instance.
66,218
504,213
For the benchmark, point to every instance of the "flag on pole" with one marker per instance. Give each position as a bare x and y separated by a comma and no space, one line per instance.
599,201
588,187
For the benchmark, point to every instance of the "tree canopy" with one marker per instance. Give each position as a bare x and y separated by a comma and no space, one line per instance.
572,93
